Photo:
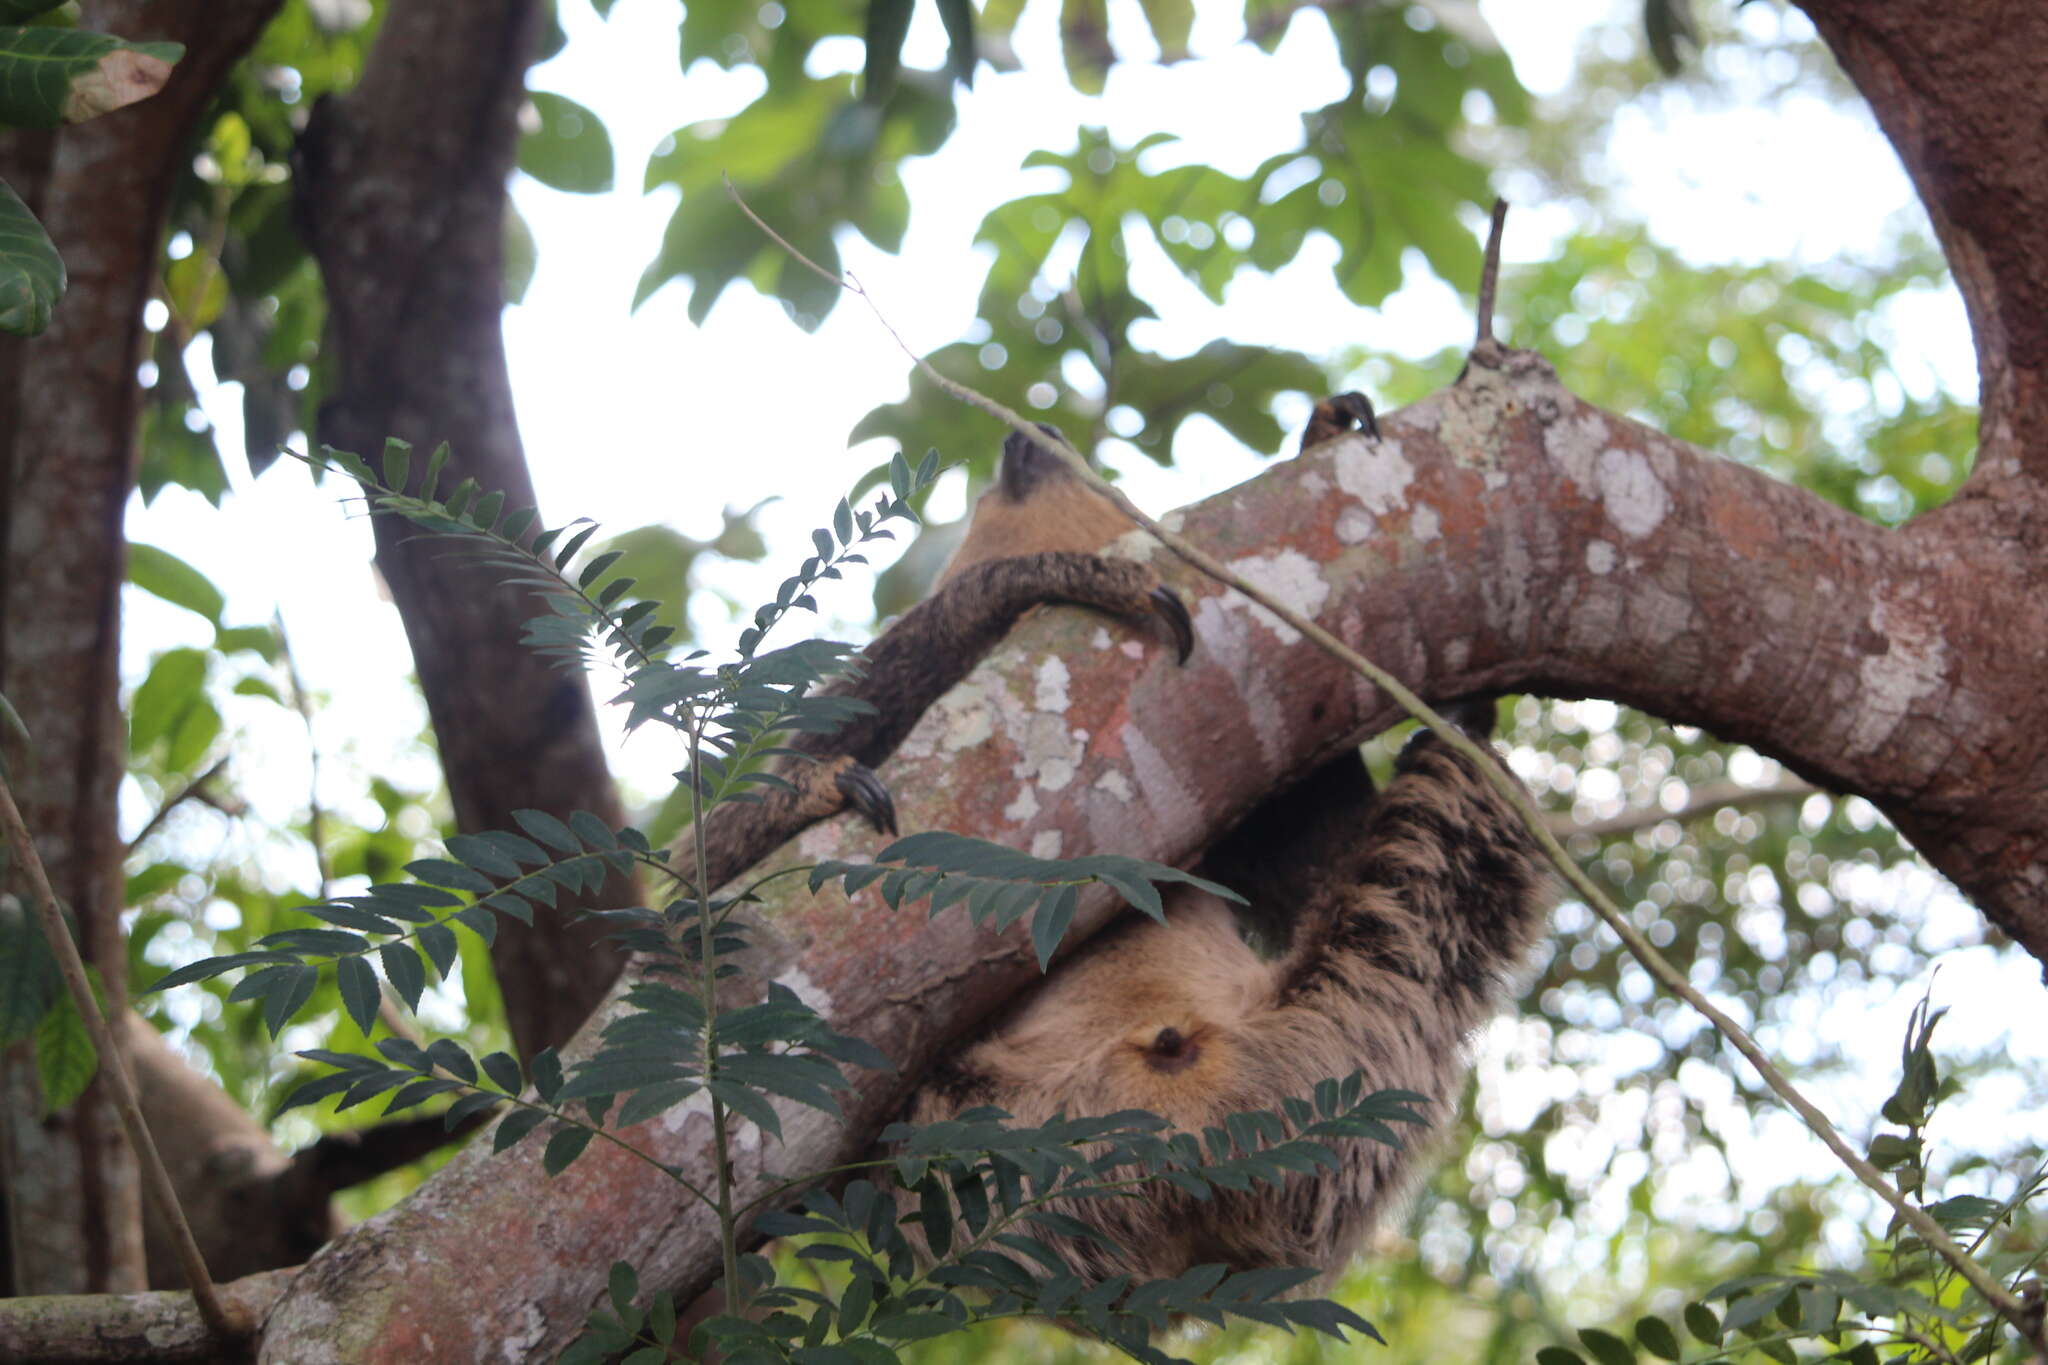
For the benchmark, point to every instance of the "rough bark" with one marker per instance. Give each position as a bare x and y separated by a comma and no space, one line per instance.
401,186
1503,536
67,463
1957,89
147,1329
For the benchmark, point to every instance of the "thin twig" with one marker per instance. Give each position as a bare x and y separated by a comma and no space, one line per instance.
1706,798
113,1067
1489,276
1507,787
186,793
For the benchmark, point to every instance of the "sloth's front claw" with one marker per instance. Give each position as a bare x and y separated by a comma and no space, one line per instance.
865,792
1338,414
1168,607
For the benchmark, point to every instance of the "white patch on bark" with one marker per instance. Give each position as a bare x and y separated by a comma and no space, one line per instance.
1133,649
1457,653
1910,669
1315,483
518,1343
1171,801
1047,843
1355,526
1377,475
1139,543
1051,693
1575,445
698,1105
1659,616
1425,523
961,719
1116,784
1023,808
1506,593
1634,495
1229,641
1292,578
1048,752
1101,639
1600,557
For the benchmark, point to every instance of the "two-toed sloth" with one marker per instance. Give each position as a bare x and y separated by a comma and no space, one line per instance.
1403,911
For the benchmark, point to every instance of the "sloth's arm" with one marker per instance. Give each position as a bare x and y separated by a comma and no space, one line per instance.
915,661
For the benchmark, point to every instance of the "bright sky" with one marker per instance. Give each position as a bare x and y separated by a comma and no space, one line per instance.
628,416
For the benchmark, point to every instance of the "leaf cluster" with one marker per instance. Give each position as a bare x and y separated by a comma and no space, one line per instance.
967,1224
1908,1308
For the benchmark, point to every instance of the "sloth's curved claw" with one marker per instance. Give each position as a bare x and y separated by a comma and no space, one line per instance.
1358,408
1166,604
865,793
1338,414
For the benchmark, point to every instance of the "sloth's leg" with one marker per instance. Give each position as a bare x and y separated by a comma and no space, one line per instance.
915,661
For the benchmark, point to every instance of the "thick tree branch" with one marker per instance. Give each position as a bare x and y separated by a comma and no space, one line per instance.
69,405
135,1329
401,188
1958,90
1503,536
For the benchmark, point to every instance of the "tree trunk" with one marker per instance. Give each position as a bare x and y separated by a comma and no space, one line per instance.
401,188
69,403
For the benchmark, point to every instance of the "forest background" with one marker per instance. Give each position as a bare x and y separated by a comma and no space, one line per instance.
1728,252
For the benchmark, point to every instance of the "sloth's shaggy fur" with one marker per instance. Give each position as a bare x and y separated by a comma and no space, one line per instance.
1401,946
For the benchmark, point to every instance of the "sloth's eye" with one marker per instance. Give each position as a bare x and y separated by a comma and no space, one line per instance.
1169,1043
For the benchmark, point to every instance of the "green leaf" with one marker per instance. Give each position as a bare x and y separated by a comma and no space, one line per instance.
1606,1348
887,23
397,463
173,687
1171,21
402,965
1701,1322
1558,1355
515,1126
623,1284
570,151
564,1147
359,993
194,735
165,575
50,76
547,829
1658,1339
961,54
65,1060
437,941
28,973
293,988
522,254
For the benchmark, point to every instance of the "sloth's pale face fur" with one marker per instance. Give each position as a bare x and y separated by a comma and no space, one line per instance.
1151,1018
